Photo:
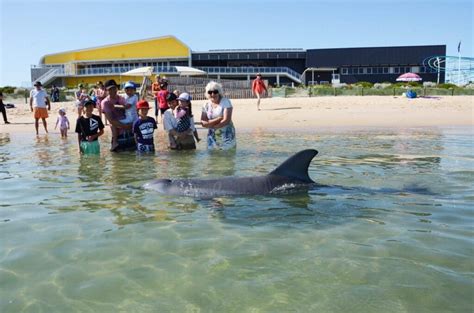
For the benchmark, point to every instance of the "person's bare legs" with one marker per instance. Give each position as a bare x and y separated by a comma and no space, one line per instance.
37,125
45,125
114,138
258,101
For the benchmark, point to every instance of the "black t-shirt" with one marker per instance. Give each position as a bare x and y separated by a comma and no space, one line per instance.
88,126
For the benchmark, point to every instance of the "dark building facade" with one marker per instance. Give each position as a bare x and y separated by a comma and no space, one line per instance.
375,64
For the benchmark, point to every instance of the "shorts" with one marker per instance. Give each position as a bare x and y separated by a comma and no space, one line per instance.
90,147
79,104
145,148
40,113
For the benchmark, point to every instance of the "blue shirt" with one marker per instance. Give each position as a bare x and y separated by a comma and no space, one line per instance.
144,128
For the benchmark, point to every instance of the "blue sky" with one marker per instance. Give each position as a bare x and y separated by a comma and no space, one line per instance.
31,29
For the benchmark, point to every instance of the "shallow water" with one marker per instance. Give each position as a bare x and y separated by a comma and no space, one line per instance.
389,229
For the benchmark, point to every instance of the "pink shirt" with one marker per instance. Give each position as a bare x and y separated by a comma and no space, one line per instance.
108,106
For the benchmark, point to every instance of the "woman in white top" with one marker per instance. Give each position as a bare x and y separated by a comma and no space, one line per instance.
216,116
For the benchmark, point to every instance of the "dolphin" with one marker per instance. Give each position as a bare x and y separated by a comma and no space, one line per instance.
291,174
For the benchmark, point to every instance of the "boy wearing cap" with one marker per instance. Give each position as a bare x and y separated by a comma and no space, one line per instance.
144,127
89,128
40,101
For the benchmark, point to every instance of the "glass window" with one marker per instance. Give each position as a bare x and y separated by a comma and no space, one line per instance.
396,70
369,70
385,70
349,70
407,69
344,71
361,70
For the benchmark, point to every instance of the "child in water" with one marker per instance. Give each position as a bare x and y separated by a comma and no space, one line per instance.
130,107
89,128
144,127
63,123
184,116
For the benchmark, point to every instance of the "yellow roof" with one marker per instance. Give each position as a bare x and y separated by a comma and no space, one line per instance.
153,48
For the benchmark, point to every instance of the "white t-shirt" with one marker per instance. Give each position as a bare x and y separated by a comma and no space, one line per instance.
39,98
218,111
170,122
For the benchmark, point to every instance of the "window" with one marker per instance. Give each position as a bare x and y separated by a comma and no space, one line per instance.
407,69
344,71
385,70
396,70
369,70
349,71
380,70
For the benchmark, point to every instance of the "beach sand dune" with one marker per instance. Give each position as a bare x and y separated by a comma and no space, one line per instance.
304,113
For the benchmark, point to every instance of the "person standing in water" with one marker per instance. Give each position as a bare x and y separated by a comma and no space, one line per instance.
40,101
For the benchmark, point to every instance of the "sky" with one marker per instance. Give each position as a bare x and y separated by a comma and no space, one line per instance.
32,29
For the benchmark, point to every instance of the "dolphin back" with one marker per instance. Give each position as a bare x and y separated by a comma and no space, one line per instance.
297,166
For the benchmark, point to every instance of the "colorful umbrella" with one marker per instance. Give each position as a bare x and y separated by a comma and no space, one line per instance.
409,77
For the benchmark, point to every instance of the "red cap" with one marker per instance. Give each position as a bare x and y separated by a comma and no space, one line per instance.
143,104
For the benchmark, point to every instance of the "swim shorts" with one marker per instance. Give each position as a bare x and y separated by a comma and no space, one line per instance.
90,147
40,113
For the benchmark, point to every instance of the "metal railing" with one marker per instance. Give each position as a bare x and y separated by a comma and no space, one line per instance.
252,70
122,69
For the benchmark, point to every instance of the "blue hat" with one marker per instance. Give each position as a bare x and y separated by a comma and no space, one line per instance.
129,85
185,97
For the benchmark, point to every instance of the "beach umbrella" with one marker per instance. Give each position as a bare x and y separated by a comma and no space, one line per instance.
189,71
409,77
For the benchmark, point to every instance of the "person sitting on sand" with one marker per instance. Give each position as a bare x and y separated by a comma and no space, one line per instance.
112,107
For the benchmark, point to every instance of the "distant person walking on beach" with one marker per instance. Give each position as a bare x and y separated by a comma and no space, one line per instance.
217,117
63,123
55,94
40,102
162,95
3,110
258,88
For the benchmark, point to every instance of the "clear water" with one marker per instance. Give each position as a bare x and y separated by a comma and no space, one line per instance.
389,230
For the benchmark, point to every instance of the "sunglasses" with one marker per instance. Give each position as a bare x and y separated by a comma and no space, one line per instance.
210,92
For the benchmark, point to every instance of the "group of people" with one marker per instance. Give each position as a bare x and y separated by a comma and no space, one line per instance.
128,114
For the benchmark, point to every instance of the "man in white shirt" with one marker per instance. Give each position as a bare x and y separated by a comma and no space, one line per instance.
39,99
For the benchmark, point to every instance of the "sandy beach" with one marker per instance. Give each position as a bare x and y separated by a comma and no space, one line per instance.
303,113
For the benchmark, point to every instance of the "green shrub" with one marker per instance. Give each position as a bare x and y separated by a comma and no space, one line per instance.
447,86
364,84
7,89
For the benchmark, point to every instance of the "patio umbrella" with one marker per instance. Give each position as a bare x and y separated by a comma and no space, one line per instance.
189,71
141,71
409,77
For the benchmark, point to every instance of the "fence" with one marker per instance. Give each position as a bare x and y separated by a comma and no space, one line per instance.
315,92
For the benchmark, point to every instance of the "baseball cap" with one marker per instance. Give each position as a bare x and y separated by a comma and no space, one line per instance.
110,83
171,97
185,97
38,83
129,85
62,110
143,104
89,102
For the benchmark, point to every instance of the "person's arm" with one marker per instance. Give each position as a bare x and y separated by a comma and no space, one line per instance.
31,102
95,136
226,119
48,103
79,142
209,123
116,123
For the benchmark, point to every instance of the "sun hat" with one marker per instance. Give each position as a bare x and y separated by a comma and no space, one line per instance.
143,104
171,97
110,83
62,110
38,83
129,85
185,97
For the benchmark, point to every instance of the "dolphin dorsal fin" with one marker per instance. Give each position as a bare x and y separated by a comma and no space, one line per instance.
297,165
